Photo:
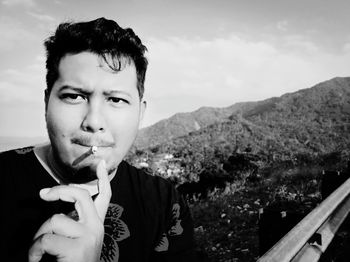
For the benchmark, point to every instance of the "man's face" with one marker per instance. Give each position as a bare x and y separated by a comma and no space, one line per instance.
90,105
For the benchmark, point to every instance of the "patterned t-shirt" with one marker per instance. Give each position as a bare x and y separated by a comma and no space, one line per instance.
146,219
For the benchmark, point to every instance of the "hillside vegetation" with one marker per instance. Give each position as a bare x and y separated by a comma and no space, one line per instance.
309,123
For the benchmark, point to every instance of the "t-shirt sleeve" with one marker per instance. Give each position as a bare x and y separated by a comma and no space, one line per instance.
177,242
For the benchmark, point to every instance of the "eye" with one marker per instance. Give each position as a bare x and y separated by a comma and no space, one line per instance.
118,100
73,98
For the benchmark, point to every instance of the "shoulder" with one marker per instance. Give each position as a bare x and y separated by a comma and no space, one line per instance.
18,151
15,155
14,164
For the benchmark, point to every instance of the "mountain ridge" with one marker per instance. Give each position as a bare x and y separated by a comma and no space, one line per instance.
311,100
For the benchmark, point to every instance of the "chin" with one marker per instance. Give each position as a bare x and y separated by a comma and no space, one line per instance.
83,175
86,171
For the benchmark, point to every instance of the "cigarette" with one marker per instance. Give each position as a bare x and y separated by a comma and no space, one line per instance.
94,149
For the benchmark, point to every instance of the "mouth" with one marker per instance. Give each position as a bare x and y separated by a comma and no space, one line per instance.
90,151
89,143
83,156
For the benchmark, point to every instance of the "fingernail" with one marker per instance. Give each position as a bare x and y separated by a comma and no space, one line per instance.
103,163
44,191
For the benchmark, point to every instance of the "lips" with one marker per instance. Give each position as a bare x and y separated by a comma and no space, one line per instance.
87,146
88,142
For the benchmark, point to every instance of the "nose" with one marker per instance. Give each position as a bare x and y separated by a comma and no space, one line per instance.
93,120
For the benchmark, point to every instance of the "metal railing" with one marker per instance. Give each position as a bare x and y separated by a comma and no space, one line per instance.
309,239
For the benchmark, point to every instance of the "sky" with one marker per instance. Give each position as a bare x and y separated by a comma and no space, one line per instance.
201,53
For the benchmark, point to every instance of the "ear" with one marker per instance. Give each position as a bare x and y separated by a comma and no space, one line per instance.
143,105
46,98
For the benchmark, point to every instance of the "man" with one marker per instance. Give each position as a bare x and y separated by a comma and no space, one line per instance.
75,199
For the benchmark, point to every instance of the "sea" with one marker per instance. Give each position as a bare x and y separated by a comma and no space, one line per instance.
8,143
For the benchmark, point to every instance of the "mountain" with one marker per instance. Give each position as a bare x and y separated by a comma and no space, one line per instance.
315,120
310,121
183,123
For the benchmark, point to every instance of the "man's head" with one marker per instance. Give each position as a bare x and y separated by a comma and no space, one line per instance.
95,83
102,37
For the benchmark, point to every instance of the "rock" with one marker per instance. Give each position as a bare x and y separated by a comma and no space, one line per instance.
199,229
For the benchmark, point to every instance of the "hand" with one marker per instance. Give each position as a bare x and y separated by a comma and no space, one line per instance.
71,240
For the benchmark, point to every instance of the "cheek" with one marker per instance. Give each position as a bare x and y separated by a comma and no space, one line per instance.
124,127
125,122
52,123
59,122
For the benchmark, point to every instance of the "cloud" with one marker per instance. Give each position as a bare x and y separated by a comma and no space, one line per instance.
222,71
23,85
25,119
300,45
13,34
346,45
11,3
23,33
46,23
22,100
185,74
43,17
282,25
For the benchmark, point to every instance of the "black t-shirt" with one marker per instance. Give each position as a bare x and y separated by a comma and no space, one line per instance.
146,219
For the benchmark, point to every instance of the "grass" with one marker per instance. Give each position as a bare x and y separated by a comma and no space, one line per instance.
226,224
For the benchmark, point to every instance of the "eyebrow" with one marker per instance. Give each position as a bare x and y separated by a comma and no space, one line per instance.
88,91
76,89
116,92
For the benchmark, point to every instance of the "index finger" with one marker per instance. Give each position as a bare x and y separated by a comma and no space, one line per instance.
80,197
104,188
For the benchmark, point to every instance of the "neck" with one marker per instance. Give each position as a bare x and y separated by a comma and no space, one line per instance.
59,172
66,175
46,158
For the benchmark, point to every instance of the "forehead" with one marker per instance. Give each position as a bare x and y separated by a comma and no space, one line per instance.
90,71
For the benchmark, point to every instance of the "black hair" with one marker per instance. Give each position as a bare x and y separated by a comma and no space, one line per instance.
102,37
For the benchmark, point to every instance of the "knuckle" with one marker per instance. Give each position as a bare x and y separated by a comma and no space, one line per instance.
92,238
100,228
109,194
45,240
83,193
57,188
79,193
97,229
55,219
